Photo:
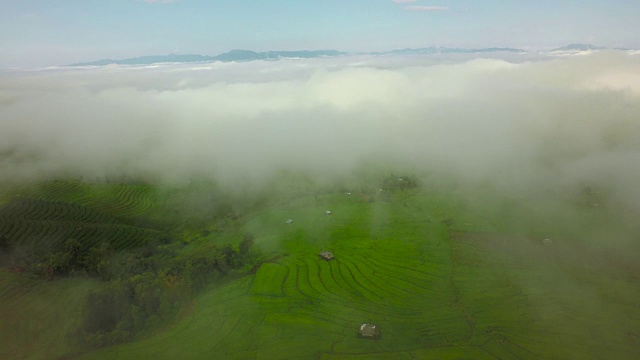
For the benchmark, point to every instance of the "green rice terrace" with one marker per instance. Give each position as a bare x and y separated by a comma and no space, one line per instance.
143,271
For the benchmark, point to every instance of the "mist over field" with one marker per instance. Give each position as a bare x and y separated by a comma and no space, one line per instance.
543,124
335,180
475,207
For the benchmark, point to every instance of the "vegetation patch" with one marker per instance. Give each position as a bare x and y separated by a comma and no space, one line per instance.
438,276
269,280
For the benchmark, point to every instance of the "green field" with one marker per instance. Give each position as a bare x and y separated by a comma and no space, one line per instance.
37,318
442,279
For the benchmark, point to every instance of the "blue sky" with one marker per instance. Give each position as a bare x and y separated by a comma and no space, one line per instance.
51,32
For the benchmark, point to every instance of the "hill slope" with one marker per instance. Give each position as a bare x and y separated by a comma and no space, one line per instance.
433,291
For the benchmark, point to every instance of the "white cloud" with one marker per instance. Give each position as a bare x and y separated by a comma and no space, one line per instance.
403,1
425,8
538,124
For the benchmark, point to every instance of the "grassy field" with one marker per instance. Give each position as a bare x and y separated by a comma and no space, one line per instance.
434,291
37,318
441,279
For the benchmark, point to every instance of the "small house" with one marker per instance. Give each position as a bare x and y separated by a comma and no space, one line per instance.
369,330
328,212
327,255
289,221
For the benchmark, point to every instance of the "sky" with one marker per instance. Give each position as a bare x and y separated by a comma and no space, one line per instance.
56,32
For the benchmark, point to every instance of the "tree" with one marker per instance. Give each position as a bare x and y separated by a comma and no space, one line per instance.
246,244
5,245
73,252
53,264
96,261
107,310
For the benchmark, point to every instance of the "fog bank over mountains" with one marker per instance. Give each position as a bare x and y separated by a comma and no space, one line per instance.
529,124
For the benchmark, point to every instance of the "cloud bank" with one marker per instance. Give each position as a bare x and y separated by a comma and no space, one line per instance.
548,123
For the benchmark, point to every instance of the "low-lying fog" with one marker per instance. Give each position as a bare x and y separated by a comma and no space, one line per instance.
540,123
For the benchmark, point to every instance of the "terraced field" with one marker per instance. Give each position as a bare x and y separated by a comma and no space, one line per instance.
121,200
46,215
440,281
433,293
47,225
39,318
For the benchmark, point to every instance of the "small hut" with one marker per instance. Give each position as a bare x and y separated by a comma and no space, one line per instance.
327,255
369,330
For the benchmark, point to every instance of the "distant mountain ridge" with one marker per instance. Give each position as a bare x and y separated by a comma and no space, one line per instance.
233,55
248,55
148,60
578,47
445,50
